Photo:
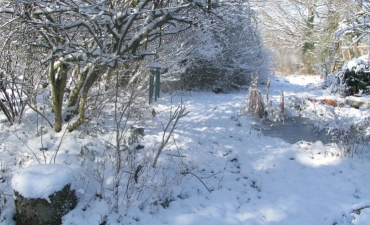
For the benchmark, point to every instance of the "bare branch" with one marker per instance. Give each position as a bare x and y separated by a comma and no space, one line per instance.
172,122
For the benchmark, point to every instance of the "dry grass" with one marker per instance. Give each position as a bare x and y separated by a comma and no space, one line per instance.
261,106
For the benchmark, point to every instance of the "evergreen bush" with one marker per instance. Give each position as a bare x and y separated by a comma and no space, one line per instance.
356,81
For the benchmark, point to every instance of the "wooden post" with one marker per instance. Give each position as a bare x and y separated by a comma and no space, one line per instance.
154,71
349,54
151,88
343,55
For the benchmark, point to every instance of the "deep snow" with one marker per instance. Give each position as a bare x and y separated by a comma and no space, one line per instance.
42,180
240,175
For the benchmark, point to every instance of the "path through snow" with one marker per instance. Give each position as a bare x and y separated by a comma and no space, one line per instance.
256,179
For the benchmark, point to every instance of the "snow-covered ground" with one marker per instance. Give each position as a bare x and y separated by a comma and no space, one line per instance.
233,174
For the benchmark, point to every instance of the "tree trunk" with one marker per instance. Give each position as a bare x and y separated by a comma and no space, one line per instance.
90,78
58,79
75,94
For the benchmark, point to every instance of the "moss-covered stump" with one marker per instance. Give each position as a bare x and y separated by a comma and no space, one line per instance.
43,194
40,212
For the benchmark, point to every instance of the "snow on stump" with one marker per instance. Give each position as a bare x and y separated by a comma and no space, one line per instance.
43,194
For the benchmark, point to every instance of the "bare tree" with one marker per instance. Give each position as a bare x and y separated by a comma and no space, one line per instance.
84,40
20,72
301,33
355,26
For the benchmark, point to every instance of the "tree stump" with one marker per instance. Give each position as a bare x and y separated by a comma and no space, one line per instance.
43,194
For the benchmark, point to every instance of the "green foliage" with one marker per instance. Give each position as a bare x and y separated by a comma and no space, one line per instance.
308,46
356,81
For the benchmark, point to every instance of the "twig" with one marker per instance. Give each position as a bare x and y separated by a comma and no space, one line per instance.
43,116
358,211
187,172
219,182
60,143
179,113
25,144
181,156
6,112
136,176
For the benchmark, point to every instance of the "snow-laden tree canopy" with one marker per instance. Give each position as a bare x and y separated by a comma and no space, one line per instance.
102,32
218,55
300,33
355,27
90,39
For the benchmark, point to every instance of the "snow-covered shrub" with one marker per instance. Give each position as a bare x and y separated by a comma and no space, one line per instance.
236,53
123,172
215,55
350,135
333,82
353,78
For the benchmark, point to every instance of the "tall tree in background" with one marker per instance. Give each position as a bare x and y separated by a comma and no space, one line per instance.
308,39
300,33
354,27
